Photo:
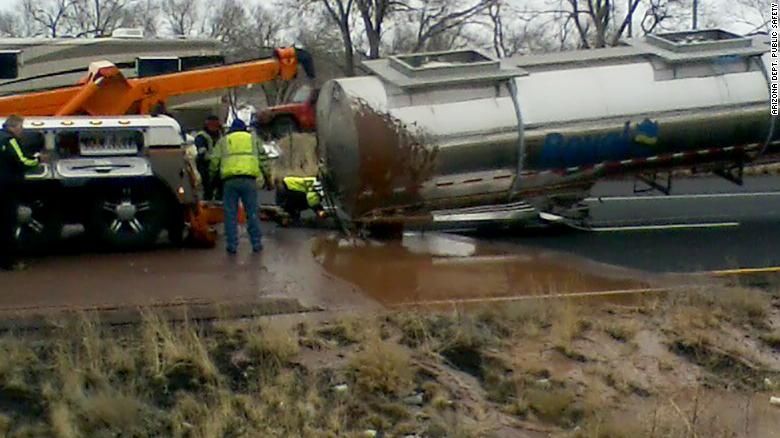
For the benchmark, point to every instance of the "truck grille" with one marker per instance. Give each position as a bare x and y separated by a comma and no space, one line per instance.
107,149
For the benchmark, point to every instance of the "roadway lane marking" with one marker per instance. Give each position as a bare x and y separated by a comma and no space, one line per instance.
523,297
678,197
662,227
745,271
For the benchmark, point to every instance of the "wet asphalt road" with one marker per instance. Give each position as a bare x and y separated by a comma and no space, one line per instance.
744,233
316,272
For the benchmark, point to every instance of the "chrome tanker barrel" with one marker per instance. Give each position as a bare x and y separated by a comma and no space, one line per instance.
459,130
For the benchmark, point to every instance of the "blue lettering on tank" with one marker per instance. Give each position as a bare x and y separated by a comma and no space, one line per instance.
559,151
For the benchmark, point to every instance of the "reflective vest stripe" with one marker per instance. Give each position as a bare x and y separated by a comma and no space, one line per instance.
29,162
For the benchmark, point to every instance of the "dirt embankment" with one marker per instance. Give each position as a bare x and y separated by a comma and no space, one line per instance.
699,363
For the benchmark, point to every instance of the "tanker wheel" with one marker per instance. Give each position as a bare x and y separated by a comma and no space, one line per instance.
130,217
177,229
39,223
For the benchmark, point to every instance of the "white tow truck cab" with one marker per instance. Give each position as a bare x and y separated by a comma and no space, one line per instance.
124,178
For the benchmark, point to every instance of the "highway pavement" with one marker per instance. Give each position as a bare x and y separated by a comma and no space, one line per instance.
705,224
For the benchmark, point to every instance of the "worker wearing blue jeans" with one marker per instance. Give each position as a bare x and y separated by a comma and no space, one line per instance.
245,190
239,160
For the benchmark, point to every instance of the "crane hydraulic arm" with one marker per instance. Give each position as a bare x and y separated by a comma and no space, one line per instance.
105,91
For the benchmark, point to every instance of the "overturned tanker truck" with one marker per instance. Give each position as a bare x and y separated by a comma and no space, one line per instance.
463,135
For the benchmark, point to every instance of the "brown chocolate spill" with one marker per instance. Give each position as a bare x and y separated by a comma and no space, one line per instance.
431,267
395,159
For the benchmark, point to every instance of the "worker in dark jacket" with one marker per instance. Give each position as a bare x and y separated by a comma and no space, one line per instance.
205,141
297,193
239,160
13,165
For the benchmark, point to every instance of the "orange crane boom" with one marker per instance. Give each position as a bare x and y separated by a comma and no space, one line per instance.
105,91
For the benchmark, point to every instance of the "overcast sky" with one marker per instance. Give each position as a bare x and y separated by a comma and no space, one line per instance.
722,12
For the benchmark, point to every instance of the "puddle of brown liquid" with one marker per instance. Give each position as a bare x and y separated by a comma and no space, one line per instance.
436,267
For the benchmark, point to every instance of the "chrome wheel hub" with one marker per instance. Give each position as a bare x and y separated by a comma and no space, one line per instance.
125,215
26,221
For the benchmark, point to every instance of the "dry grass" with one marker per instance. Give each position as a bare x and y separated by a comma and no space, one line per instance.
346,330
737,304
250,379
567,325
557,405
110,411
381,366
623,331
527,318
701,310
600,427
450,425
744,305
772,339
272,345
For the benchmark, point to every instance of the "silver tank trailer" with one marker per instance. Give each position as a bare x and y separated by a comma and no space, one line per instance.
455,130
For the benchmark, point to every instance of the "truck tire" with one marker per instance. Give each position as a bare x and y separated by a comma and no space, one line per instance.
129,217
177,229
39,224
283,126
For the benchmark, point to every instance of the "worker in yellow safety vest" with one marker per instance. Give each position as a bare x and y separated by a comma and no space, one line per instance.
14,163
205,141
296,194
239,160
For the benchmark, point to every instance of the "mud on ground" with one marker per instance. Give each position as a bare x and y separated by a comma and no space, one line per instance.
699,363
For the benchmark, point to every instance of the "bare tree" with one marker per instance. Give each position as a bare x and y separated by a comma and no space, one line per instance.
144,14
374,13
602,15
664,14
340,12
324,43
264,30
51,16
98,17
497,20
227,22
755,13
514,31
11,25
439,20
181,15
602,23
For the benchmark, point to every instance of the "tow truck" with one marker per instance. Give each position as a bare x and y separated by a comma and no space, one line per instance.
111,166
